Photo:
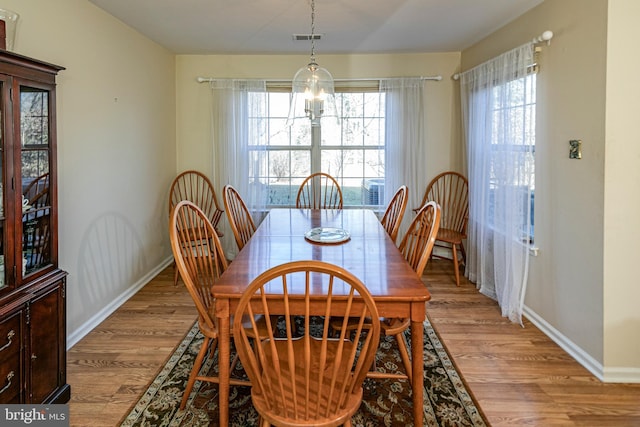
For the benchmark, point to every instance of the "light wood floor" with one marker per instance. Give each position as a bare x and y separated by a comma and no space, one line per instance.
518,375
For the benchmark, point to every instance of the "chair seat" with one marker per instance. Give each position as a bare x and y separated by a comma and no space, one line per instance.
321,385
394,326
389,326
450,236
206,330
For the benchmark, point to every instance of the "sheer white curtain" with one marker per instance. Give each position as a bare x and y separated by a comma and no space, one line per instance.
239,137
498,111
405,140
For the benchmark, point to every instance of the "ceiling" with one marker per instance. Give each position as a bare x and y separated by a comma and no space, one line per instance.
346,26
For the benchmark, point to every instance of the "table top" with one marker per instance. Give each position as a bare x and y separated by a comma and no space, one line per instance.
369,254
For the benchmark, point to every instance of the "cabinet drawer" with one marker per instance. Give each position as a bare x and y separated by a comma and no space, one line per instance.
10,379
10,336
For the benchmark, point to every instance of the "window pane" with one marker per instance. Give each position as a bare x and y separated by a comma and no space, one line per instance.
512,173
352,131
279,104
279,134
331,163
374,164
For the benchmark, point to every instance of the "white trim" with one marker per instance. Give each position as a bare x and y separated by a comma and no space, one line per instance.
95,320
622,375
588,362
604,374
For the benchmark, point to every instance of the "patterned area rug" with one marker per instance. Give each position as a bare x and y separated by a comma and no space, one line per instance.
386,402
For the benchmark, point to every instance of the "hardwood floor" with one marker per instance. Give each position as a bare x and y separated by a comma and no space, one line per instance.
518,375
112,366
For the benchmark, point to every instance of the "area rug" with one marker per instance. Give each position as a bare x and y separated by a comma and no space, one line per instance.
387,402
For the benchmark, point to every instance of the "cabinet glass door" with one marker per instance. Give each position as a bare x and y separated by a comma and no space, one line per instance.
35,159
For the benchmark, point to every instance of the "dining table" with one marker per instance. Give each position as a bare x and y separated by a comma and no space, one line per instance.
353,239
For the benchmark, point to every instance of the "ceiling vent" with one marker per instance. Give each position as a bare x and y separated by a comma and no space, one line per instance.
306,37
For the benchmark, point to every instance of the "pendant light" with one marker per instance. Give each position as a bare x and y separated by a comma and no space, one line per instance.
313,94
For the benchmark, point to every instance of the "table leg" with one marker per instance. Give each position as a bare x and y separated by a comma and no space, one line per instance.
417,368
223,368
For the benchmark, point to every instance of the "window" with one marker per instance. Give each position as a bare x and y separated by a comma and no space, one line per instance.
350,149
513,151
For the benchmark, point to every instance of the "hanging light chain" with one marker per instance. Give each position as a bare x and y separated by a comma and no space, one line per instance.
313,28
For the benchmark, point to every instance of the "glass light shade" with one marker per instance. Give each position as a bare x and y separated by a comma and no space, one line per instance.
313,95
9,22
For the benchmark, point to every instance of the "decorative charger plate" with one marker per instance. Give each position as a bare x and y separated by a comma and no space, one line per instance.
327,235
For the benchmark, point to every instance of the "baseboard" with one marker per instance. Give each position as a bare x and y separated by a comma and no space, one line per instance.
591,364
613,375
622,375
99,317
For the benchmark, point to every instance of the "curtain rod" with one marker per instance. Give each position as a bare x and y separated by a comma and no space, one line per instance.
211,79
544,37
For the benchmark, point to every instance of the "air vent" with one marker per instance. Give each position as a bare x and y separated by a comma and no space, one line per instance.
306,37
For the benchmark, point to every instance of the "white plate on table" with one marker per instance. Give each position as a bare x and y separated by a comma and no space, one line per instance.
327,235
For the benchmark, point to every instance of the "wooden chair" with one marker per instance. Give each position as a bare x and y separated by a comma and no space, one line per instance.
416,247
36,223
200,260
37,192
239,216
395,212
451,191
319,191
197,188
302,376
36,237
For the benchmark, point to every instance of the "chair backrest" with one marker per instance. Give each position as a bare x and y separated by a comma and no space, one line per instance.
36,237
197,188
37,192
198,254
302,372
319,191
417,244
395,212
239,216
451,191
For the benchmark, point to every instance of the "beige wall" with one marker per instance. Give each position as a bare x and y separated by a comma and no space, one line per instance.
622,191
116,139
580,293
194,140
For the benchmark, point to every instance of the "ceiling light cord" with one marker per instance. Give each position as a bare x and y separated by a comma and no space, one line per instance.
313,31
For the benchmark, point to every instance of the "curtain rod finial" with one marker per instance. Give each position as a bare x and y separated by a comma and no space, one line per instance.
544,37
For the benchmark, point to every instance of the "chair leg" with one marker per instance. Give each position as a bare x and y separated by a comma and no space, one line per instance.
404,354
197,364
464,254
456,266
176,274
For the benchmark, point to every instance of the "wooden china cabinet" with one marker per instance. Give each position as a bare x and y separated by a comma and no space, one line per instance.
32,287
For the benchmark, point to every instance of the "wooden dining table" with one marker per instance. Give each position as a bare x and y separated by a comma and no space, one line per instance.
369,254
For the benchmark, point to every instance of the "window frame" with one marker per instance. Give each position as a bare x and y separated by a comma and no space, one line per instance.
317,146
